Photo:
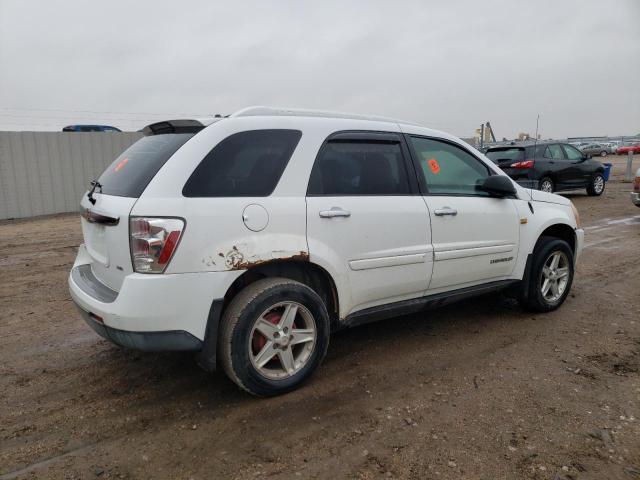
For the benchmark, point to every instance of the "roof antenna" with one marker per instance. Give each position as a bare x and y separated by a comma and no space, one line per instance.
535,151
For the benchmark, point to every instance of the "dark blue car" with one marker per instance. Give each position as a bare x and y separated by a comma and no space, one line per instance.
90,128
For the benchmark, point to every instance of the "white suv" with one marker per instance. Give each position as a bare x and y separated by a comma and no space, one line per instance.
248,239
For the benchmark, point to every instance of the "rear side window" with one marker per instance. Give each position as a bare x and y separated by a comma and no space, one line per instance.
246,164
132,171
448,169
554,152
359,168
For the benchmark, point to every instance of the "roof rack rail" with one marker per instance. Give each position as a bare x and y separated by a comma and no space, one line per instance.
258,111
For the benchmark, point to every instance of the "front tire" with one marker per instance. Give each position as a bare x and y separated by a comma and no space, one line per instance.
550,276
274,334
603,153
596,186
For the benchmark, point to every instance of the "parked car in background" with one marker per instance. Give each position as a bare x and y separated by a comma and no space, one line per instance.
595,149
249,239
635,194
550,167
90,128
626,148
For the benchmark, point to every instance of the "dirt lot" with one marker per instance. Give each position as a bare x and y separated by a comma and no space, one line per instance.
480,390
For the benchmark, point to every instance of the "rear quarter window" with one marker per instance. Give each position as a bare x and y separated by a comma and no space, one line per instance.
131,172
245,164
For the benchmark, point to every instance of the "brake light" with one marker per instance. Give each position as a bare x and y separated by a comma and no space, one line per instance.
153,242
524,164
636,184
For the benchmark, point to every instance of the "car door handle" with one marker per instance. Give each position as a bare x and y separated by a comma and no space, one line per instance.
335,212
445,211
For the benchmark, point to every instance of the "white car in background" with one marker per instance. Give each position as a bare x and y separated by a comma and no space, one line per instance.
249,239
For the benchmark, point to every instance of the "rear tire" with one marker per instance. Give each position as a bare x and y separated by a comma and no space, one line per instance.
548,283
546,185
603,153
274,334
596,185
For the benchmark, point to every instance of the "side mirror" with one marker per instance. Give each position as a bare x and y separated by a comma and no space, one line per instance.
498,186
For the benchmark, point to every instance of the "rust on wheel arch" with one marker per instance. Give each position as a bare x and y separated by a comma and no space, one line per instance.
236,260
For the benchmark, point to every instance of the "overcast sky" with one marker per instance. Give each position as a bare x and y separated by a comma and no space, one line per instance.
448,64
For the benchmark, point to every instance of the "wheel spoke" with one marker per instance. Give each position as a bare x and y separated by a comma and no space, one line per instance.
266,328
563,272
289,316
286,359
546,271
555,289
301,336
265,354
554,261
545,286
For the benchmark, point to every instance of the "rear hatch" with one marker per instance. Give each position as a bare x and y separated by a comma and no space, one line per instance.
105,210
504,157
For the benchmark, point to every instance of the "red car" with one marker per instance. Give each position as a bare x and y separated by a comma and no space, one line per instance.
628,148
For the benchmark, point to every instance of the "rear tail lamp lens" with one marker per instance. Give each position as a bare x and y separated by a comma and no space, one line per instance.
153,241
636,184
524,164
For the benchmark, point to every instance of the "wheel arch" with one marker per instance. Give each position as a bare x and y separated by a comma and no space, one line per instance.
549,175
306,272
562,231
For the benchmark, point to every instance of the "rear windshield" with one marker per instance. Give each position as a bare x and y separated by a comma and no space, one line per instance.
132,171
497,155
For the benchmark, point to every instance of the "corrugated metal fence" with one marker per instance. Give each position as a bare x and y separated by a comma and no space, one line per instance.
47,172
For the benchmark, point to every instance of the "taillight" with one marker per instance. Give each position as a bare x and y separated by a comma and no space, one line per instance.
153,241
636,184
524,164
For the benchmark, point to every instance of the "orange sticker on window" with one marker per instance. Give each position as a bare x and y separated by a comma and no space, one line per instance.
433,164
122,163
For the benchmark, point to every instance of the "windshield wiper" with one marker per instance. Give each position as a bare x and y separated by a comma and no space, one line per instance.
94,184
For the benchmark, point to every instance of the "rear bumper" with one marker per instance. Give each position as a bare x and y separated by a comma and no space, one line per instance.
177,340
150,312
635,198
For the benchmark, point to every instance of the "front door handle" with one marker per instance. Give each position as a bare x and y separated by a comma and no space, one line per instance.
445,211
335,212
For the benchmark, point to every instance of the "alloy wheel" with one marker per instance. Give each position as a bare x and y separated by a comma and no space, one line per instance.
555,276
282,340
547,186
598,184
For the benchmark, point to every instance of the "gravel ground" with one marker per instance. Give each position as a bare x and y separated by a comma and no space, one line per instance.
479,390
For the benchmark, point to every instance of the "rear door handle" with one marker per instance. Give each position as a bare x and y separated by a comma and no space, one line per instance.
445,211
335,212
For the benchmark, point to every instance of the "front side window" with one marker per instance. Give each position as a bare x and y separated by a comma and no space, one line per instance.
359,168
246,164
448,169
572,153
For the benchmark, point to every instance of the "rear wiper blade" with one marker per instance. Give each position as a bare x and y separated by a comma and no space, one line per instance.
94,184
